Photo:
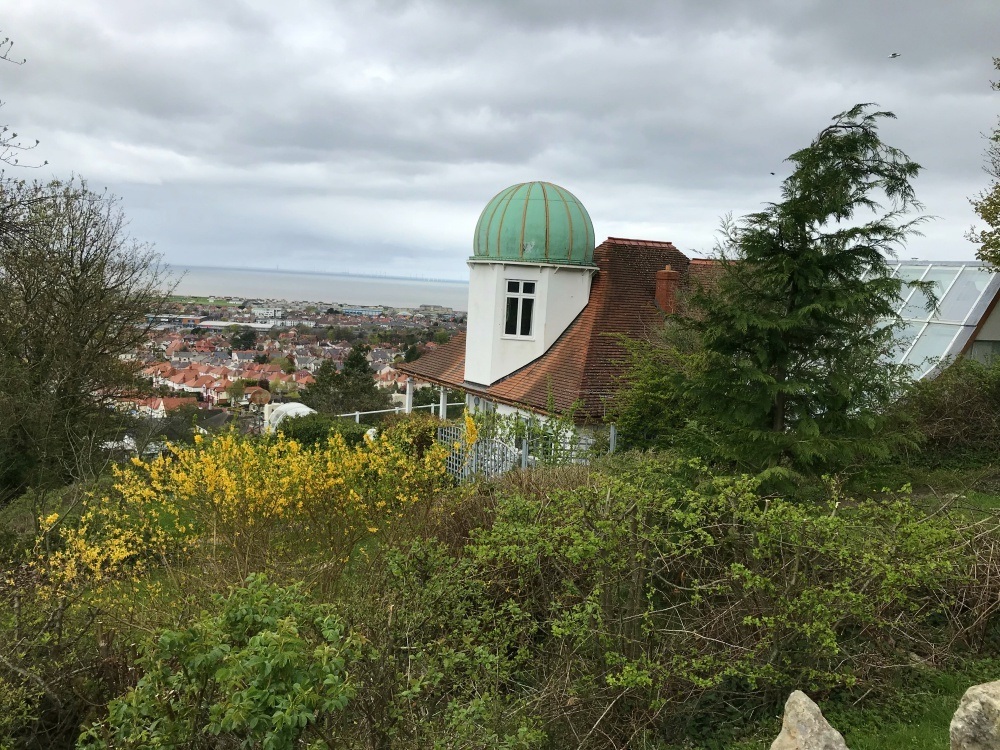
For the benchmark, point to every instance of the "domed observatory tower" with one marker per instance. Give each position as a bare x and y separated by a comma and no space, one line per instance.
529,277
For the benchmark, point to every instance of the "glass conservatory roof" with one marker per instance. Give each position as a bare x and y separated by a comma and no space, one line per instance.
965,291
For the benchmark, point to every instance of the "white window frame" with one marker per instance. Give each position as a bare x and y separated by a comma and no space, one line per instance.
520,295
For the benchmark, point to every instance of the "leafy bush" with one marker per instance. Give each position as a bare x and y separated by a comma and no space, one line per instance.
659,407
89,576
630,603
54,667
415,433
267,671
958,412
443,654
315,429
54,662
653,594
243,505
652,408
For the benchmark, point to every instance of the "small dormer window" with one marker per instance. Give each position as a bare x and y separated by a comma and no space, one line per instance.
520,307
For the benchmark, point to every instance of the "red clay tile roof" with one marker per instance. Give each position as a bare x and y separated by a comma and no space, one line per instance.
169,403
444,365
579,372
704,270
582,366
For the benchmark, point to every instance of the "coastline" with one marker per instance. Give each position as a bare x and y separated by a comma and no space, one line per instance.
318,287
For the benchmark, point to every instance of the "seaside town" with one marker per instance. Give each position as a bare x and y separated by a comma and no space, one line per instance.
227,357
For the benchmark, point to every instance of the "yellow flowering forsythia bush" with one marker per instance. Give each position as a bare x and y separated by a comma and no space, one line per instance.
471,430
245,503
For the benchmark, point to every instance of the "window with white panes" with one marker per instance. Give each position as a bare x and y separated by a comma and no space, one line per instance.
520,307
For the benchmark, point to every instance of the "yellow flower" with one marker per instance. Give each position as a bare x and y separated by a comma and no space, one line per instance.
471,431
238,498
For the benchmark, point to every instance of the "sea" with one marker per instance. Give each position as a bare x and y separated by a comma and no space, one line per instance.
301,286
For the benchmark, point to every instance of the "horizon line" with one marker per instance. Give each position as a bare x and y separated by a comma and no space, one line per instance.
348,274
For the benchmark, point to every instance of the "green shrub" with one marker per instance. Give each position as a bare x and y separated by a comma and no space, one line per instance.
54,666
657,594
415,432
443,656
637,602
314,429
56,662
268,670
649,601
958,412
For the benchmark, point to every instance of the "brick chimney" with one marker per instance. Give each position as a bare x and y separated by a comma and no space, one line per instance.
666,289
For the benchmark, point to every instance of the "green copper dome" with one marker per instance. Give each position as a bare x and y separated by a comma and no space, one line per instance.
535,222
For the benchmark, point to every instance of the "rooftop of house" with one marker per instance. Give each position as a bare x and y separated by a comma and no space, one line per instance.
579,372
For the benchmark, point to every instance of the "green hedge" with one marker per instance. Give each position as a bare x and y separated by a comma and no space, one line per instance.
316,428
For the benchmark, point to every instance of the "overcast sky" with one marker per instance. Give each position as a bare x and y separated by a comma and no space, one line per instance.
367,135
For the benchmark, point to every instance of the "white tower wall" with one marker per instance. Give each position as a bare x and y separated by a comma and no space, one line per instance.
561,293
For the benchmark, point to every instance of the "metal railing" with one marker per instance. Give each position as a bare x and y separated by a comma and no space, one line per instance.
356,415
490,457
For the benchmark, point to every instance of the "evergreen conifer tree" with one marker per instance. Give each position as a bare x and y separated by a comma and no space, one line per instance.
794,364
352,389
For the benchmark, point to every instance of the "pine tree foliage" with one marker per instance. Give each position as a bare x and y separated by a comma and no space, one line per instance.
353,389
794,366
987,203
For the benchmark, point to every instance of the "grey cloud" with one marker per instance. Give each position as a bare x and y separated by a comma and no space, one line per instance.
312,129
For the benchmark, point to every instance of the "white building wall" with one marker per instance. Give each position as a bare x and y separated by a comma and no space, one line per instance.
561,293
267,312
991,327
511,411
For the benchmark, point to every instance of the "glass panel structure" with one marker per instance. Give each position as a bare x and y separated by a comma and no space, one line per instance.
928,337
931,347
909,273
984,351
905,336
964,293
916,306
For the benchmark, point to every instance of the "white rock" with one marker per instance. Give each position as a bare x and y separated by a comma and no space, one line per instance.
805,728
976,724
